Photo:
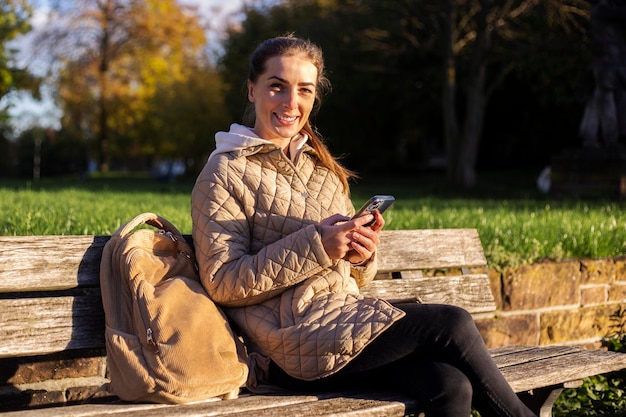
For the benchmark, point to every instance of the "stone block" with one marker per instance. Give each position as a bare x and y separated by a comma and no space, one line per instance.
79,394
522,329
617,292
40,368
570,325
18,400
597,271
540,285
595,294
620,268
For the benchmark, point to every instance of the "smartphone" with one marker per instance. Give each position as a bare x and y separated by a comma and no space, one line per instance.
377,202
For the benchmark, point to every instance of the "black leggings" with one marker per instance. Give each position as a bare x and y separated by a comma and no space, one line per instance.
436,355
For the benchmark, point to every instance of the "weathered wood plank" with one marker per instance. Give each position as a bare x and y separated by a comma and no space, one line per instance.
35,326
513,355
472,292
244,404
372,405
86,410
32,326
430,249
339,406
42,263
546,367
39,263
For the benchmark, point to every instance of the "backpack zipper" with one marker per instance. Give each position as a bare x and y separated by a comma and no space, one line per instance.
150,338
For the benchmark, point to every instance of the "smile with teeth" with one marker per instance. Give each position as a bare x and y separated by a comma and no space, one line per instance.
286,119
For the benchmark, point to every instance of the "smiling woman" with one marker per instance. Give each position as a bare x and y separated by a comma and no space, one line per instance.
277,245
283,98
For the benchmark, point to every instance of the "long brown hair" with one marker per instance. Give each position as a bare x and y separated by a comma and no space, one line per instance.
290,45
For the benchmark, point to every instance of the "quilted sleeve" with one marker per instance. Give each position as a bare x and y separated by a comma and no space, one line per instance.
364,274
221,232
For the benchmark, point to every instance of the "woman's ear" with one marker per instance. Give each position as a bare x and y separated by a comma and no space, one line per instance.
250,91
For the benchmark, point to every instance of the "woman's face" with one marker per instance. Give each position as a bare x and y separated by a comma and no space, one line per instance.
283,97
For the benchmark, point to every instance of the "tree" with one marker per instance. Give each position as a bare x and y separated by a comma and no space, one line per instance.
416,77
14,21
113,55
183,115
470,30
374,78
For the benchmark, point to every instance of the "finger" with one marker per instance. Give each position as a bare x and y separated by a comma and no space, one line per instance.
334,219
379,222
361,221
363,252
369,244
368,233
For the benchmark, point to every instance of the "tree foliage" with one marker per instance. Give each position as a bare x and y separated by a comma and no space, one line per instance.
417,83
14,21
416,77
116,57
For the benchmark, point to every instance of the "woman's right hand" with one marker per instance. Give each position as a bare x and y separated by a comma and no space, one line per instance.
337,234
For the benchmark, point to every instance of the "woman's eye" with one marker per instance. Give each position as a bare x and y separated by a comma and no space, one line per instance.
276,87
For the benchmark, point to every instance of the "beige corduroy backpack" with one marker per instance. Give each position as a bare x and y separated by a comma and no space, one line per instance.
166,341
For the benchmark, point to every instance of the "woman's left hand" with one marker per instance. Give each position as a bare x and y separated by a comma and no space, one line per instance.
365,240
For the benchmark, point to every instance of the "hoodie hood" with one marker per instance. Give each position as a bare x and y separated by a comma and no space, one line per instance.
240,138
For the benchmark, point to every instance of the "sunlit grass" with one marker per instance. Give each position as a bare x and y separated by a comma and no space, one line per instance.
514,232
514,229
99,208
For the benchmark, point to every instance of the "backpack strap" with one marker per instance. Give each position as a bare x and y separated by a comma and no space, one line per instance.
150,219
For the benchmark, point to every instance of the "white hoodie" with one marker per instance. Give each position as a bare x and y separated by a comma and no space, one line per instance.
241,137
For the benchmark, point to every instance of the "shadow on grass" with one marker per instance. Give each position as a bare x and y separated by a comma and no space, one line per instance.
509,185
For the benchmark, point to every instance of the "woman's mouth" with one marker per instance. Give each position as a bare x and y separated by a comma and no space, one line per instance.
286,120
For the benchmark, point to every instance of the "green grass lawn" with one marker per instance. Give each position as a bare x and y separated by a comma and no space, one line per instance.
516,224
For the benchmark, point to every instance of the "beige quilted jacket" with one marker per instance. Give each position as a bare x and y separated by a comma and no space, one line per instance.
261,257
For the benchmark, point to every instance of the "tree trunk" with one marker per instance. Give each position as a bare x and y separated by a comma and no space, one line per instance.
450,120
103,134
465,172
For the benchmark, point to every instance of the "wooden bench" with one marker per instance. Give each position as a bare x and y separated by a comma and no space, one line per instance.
52,325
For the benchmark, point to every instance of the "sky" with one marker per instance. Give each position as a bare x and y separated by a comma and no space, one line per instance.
27,112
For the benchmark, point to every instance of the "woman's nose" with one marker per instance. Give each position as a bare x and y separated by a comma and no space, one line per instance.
291,99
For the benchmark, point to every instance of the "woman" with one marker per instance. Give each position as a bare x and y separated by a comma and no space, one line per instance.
277,249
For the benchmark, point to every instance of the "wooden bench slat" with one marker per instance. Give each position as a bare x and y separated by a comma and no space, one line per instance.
86,410
472,292
513,355
36,263
35,326
338,406
44,263
550,368
365,404
430,249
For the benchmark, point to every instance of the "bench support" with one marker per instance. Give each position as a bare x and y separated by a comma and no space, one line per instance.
541,400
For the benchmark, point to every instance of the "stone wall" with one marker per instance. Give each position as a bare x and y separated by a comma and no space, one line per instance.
577,302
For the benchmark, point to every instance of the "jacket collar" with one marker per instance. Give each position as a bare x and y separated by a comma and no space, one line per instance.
242,141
